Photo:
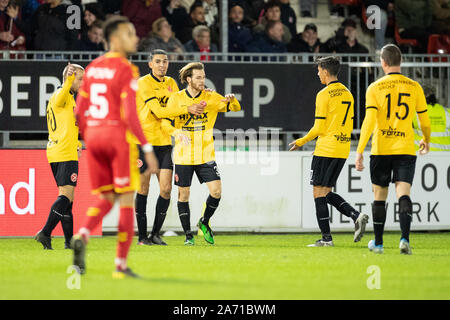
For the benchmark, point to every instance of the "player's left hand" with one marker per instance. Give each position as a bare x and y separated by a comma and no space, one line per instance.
294,145
228,98
359,162
424,147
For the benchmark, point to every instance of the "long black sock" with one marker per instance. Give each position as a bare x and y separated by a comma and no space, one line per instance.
185,217
58,209
140,205
379,218
211,206
160,214
323,217
405,205
67,224
342,206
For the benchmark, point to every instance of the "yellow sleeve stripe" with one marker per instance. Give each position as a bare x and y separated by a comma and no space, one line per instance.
84,94
123,95
422,111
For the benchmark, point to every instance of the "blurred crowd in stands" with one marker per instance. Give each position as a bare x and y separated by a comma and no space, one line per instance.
194,25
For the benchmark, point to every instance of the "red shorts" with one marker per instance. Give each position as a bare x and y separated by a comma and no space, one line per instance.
111,161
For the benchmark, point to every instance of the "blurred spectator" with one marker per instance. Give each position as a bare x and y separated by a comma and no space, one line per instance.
29,7
307,41
47,28
10,36
92,12
441,16
252,11
94,41
351,44
161,37
211,12
183,25
270,41
413,19
288,16
385,7
174,11
272,12
201,42
238,35
111,6
142,13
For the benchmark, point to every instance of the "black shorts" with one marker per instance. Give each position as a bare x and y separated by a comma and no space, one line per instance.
162,153
325,171
206,172
65,173
392,168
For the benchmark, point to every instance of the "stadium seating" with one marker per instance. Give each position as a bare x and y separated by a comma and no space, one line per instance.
410,43
438,44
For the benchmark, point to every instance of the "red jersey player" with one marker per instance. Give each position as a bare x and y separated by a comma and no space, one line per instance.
106,114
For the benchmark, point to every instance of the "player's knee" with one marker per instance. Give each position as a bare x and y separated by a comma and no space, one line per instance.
165,191
379,211
405,205
183,194
216,193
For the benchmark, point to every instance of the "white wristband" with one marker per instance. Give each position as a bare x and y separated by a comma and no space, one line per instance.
146,148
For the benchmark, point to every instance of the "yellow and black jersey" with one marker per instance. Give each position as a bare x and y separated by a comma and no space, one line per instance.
61,123
391,105
151,99
333,122
198,128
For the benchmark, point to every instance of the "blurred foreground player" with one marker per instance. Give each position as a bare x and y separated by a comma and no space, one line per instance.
106,112
333,125
391,105
63,151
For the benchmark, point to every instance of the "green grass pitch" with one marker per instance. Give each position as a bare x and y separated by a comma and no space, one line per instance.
249,266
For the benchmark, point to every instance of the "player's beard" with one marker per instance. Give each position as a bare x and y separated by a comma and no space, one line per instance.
199,87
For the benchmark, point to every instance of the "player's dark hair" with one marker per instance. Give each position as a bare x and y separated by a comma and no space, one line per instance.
330,63
111,25
391,55
187,70
156,52
194,6
271,4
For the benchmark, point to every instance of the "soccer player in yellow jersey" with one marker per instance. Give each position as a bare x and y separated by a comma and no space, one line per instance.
154,89
333,125
391,104
63,151
198,156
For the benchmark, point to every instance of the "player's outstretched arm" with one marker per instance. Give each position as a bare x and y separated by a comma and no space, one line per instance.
316,130
173,109
229,103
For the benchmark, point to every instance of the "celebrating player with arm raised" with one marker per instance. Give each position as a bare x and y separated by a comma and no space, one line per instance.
63,151
198,156
106,112
391,104
154,89
333,125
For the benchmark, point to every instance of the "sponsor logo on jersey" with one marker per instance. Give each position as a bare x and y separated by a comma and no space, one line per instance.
392,132
140,163
100,73
342,137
